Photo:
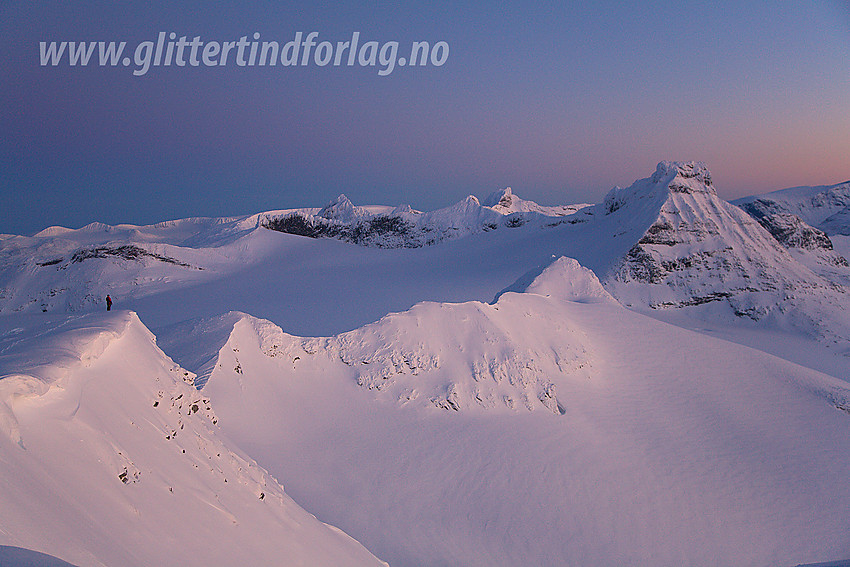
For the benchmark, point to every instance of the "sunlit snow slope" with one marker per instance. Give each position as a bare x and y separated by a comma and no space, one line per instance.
554,427
109,456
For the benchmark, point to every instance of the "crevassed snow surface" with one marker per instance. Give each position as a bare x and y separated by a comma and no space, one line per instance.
454,387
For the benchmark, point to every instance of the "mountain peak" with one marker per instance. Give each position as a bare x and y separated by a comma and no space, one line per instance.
568,280
340,208
689,177
684,176
502,197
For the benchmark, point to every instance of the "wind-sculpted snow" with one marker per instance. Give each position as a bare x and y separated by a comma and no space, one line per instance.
551,427
467,356
458,357
110,456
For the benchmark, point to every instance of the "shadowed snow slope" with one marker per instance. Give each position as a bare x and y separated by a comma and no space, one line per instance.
11,556
544,429
109,456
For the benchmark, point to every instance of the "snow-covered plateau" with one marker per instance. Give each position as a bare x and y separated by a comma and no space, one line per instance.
660,379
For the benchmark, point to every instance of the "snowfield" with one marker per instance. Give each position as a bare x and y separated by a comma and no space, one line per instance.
658,379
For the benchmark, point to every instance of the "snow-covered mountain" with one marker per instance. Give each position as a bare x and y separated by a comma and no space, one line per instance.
403,227
697,249
484,384
505,202
667,242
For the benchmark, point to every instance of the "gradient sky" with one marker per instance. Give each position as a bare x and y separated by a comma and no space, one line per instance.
560,101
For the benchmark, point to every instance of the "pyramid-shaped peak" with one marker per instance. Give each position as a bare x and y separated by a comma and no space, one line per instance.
690,177
340,208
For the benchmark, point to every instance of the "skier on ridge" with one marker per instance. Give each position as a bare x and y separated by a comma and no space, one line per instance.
108,303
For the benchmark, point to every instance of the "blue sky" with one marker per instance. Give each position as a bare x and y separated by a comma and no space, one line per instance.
559,100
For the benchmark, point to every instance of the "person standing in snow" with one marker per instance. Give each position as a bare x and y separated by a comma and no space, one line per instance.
108,303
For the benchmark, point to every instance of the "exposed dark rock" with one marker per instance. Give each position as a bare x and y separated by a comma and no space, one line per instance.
640,266
126,252
760,208
51,262
377,231
792,232
300,225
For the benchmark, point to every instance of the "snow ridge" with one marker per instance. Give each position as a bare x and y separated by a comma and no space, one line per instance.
459,357
107,427
403,227
824,206
631,421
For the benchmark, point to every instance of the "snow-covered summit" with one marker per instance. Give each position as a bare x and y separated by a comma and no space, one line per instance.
503,198
567,280
690,177
341,209
684,176
692,248
506,202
